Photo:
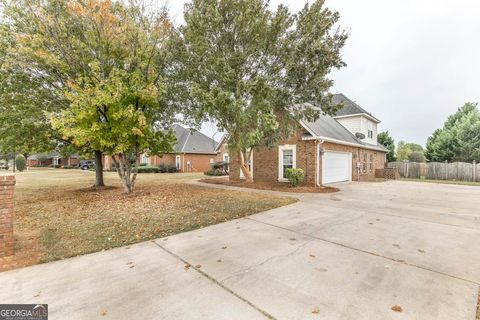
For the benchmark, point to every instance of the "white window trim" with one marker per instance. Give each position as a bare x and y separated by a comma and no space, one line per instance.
145,159
178,163
225,155
242,176
281,148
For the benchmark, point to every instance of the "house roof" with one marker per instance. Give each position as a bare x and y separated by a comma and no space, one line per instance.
350,108
189,141
223,139
51,155
329,129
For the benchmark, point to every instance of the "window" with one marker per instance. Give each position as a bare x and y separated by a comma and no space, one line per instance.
286,160
145,159
364,163
177,162
371,163
226,159
211,160
370,130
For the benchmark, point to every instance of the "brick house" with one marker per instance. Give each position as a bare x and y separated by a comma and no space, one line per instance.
193,152
332,149
53,159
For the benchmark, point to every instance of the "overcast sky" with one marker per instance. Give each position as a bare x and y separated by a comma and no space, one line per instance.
410,63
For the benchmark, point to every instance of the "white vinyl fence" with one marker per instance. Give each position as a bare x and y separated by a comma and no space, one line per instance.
459,171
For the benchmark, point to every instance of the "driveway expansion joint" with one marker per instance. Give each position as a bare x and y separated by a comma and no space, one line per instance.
366,252
267,260
215,281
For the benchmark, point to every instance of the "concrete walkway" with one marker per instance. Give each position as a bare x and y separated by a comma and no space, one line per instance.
349,255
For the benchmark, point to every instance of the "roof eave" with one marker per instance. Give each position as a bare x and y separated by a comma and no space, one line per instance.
366,115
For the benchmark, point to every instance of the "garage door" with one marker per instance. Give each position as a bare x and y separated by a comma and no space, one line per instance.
336,167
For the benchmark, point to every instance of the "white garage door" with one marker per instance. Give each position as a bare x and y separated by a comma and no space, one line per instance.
336,167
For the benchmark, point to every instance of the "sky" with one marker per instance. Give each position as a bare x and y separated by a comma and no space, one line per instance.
410,63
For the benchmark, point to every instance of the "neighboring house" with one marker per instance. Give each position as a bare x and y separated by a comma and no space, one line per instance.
222,150
193,152
329,150
52,159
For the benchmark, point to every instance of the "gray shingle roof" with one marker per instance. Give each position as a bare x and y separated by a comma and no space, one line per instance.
51,155
192,141
349,106
327,127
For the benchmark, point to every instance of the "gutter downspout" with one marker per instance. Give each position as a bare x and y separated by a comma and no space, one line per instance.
318,160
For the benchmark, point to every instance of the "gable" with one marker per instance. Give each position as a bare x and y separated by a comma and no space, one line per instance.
350,108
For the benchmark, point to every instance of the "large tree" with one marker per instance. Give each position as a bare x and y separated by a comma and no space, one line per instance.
111,62
406,149
24,99
387,141
246,67
459,139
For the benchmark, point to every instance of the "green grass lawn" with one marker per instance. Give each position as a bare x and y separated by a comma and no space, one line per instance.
465,183
58,214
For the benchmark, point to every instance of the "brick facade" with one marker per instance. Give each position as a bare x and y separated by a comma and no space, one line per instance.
72,162
369,160
7,186
266,161
387,173
189,162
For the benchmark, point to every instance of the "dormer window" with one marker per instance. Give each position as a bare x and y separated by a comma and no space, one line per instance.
370,130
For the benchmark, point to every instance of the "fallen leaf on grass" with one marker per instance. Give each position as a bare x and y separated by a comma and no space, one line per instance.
397,308
131,266
225,247
187,266
219,260
421,251
293,239
131,262
198,266
312,255
104,313
316,310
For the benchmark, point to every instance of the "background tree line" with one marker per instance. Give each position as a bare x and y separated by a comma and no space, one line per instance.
457,141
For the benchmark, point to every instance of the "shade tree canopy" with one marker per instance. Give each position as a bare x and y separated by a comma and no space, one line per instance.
459,139
110,61
244,66
387,141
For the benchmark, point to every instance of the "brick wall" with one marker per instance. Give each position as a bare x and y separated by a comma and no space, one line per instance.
7,186
387,173
377,160
265,161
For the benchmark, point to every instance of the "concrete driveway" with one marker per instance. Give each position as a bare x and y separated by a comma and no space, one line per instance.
349,255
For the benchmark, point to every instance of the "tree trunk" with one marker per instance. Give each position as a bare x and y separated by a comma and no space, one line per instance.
244,166
124,170
98,169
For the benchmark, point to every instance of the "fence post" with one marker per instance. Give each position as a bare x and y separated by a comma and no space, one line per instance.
446,169
474,171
